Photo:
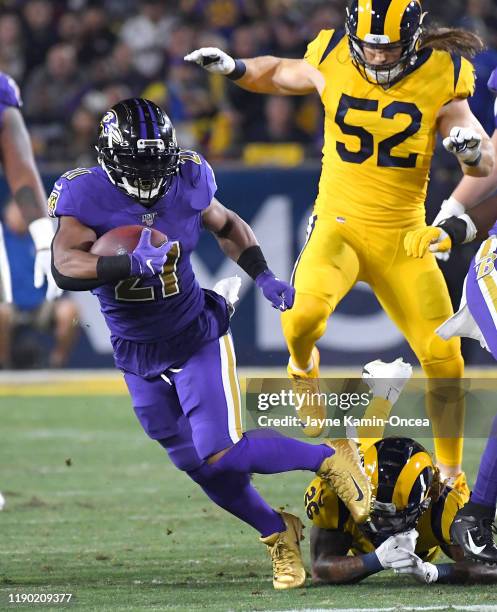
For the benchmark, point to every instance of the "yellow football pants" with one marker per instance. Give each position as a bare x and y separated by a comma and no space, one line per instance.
411,291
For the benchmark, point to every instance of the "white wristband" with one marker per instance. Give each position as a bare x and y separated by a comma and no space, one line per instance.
42,233
471,229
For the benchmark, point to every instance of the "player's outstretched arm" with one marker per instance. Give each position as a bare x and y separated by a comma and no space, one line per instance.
75,269
264,74
465,137
238,242
25,184
332,565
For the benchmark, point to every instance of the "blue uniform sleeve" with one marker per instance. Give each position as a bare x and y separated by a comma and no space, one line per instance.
9,94
60,201
197,171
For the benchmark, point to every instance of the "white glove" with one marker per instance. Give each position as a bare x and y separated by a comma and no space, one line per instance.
449,208
398,551
212,59
42,233
422,571
465,143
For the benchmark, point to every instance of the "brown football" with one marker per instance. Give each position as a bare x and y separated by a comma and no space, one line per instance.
124,239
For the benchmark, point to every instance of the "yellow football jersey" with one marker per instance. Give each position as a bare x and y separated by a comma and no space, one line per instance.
378,143
327,511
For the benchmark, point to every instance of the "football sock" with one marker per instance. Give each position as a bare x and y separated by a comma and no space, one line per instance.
234,492
303,325
445,406
266,451
378,408
485,489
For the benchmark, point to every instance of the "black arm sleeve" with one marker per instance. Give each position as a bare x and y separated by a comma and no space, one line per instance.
74,284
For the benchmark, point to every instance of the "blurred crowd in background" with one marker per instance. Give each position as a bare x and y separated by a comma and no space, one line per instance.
74,58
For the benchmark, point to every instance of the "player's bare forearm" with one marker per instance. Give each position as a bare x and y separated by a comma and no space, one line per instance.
467,572
486,166
338,570
484,216
70,250
20,169
275,75
458,114
471,190
330,563
233,234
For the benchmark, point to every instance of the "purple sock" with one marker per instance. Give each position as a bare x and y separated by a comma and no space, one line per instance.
233,492
485,489
266,451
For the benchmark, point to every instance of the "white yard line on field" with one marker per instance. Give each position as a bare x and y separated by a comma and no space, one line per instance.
477,608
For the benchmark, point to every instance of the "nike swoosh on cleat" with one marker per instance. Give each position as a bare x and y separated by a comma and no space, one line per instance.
359,490
476,550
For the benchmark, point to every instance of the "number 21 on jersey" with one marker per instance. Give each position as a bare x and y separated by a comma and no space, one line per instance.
129,290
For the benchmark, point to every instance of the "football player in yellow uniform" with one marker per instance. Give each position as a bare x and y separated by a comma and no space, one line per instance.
388,88
409,524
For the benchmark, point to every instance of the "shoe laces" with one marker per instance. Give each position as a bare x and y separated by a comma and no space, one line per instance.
283,557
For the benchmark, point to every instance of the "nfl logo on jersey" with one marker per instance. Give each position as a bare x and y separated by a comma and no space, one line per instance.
148,218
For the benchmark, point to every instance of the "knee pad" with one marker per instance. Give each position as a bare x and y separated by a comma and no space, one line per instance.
182,453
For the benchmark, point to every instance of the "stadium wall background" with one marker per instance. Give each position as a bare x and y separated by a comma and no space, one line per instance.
277,203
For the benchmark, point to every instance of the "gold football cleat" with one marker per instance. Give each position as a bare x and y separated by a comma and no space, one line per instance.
345,474
284,549
307,384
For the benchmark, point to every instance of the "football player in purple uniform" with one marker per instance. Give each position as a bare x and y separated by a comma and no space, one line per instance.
171,337
471,212
25,185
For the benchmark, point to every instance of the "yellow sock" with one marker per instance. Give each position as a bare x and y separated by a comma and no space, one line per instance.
303,325
445,406
380,409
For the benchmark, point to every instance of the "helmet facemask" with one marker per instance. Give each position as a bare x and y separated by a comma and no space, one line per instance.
387,521
145,174
383,74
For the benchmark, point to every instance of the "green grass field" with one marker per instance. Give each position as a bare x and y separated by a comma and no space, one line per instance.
95,509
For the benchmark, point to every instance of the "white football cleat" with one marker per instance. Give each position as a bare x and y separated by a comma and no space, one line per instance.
387,379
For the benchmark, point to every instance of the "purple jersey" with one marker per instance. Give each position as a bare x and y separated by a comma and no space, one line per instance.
492,85
9,94
148,310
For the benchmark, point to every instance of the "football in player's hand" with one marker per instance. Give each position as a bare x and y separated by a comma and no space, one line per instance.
124,239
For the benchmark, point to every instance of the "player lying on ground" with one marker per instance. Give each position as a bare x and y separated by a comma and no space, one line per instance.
409,523
26,187
170,337
388,87
469,214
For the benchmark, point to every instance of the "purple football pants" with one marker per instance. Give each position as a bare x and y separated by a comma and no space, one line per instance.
481,296
195,410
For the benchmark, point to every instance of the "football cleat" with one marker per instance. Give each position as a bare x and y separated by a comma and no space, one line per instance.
345,474
284,550
473,530
306,382
387,379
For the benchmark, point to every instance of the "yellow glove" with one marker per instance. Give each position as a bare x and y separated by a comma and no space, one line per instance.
434,239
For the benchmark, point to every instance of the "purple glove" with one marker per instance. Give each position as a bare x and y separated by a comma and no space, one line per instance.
278,292
147,260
